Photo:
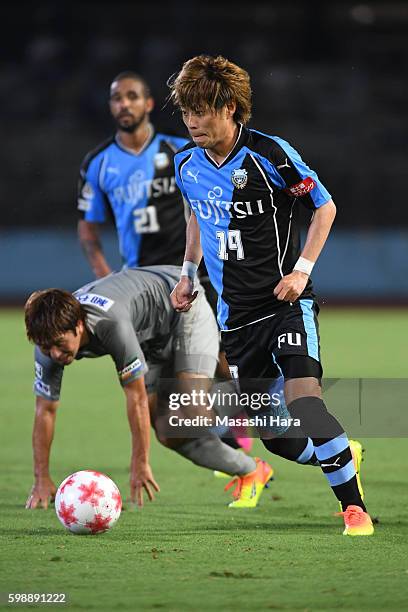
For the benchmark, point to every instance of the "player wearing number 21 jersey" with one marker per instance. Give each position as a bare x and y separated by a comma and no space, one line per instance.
131,177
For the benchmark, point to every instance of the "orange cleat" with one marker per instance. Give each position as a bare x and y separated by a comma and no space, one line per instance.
249,488
356,521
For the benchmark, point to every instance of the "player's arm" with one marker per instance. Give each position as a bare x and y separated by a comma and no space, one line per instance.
141,475
291,286
319,230
44,488
118,336
89,238
92,204
183,293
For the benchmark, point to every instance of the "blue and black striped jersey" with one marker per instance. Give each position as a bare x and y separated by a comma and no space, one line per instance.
247,211
140,191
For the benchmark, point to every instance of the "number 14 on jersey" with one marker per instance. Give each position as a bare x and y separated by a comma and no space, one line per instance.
230,241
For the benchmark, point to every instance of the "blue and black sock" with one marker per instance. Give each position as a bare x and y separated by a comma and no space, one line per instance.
331,448
293,447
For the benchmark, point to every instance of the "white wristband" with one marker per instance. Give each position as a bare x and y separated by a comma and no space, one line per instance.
189,269
304,265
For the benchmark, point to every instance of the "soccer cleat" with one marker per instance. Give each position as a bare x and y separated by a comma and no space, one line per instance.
357,454
356,521
219,474
248,488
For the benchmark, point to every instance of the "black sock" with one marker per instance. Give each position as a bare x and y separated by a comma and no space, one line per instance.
331,448
292,447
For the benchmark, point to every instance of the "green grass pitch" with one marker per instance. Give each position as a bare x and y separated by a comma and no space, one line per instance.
187,551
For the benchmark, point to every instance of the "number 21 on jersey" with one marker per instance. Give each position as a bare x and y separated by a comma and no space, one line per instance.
146,221
230,241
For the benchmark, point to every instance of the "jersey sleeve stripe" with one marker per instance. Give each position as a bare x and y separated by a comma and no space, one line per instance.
182,163
102,171
263,174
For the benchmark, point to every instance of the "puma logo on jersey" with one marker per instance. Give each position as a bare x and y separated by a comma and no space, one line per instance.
285,165
193,176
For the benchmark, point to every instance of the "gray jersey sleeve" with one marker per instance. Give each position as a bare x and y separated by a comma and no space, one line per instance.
120,341
48,376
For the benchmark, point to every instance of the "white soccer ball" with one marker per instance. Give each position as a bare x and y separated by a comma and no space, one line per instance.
88,502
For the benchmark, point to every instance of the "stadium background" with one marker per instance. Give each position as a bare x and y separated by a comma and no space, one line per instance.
328,76
331,78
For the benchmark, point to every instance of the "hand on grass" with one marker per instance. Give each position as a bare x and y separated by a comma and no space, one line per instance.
141,478
42,493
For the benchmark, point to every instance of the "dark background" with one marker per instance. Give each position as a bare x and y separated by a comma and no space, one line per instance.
330,77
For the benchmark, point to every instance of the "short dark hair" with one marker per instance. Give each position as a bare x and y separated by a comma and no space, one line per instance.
207,82
49,314
130,74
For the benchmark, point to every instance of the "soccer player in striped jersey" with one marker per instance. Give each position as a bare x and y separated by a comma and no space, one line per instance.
244,189
131,176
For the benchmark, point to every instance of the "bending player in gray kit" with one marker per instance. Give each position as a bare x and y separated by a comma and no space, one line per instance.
128,316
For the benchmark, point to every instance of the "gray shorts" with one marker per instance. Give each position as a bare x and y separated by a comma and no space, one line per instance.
193,347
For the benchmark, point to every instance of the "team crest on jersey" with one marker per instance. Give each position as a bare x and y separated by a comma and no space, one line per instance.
85,201
239,178
161,160
87,191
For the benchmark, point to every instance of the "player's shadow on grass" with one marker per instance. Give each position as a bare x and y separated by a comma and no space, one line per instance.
278,527
9,506
30,531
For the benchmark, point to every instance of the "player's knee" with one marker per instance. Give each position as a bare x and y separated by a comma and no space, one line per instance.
172,443
298,388
302,377
162,439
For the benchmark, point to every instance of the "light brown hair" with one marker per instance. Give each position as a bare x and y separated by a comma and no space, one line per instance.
207,82
49,314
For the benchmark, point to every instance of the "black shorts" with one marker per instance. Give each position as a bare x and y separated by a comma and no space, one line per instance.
286,343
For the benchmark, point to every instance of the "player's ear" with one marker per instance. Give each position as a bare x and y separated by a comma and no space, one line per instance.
231,107
149,104
80,328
